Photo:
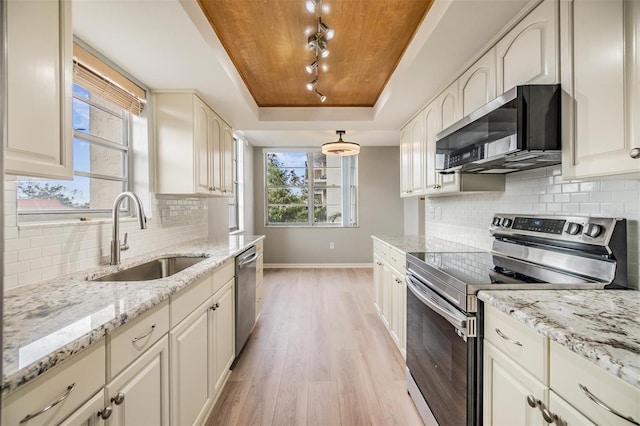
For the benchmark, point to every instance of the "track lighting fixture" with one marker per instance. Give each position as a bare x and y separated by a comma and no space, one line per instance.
340,147
318,43
311,85
312,67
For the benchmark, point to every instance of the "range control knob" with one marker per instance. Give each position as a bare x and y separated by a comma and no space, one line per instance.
573,228
496,221
506,222
592,230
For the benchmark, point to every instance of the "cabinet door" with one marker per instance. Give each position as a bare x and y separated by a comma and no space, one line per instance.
387,280
431,128
378,276
227,161
417,155
528,53
223,334
216,131
449,107
39,80
87,415
398,306
478,84
140,394
191,365
566,414
598,77
202,147
405,160
506,387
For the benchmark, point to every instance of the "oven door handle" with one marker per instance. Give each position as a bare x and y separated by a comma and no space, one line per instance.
433,303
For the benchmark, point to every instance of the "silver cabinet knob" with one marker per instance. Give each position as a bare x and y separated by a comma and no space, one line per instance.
105,413
634,153
533,402
548,416
118,399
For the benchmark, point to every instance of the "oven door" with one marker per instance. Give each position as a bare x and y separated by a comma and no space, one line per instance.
441,347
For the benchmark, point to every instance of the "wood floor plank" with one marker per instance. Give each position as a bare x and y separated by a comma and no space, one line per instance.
318,356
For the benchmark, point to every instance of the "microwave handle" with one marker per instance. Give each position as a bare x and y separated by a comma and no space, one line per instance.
434,304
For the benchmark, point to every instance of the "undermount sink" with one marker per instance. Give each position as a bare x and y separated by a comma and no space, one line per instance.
154,269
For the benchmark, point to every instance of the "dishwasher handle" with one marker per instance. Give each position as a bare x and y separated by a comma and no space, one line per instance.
247,260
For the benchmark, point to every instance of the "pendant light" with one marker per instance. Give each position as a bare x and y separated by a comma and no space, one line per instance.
340,147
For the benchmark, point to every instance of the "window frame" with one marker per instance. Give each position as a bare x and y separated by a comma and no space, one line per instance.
348,180
235,199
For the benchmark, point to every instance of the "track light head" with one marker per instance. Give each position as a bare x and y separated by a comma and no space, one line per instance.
312,84
311,5
326,31
321,96
312,66
324,52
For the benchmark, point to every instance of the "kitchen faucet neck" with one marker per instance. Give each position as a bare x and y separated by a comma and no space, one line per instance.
116,248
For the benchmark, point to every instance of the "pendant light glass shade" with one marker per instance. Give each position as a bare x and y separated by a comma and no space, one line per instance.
340,147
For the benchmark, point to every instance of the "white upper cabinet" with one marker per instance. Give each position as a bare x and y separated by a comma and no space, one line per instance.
191,141
431,126
39,81
405,161
601,84
448,104
529,52
412,158
478,84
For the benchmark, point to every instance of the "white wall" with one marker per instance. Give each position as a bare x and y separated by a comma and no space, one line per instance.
247,211
380,212
466,218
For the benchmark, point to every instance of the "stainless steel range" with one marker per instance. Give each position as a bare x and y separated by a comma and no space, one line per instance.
444,325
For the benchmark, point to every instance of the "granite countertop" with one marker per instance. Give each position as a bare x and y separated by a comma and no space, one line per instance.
47,322
420,243
603,326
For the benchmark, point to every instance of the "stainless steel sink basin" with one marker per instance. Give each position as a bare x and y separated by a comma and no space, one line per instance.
152,270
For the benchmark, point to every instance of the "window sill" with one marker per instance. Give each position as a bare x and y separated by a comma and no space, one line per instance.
71,222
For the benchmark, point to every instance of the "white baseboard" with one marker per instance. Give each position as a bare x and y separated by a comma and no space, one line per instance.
317,265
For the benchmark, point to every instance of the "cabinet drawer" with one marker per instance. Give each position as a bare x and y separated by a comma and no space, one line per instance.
524,345
130,341
570,370
222,275
397,259
381,249
84,372
185,301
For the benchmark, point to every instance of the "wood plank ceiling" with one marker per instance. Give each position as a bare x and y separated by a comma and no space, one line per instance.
267,42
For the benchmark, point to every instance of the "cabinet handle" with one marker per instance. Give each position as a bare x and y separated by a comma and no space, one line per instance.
135,339
217,305
634,153
533,401
105,413
214,306
398,281
118,399
50,406
507,338
548,416
596,400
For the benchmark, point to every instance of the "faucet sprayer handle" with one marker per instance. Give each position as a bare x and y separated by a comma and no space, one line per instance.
125,246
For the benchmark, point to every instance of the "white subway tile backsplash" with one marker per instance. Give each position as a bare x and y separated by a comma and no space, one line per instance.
36,252
465,219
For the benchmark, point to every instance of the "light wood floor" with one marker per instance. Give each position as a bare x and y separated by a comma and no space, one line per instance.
319,355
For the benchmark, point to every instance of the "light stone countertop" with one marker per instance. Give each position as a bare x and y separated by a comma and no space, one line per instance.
420,243
47,322
603,326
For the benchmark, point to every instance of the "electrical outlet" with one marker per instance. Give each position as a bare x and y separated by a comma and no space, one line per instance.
331,246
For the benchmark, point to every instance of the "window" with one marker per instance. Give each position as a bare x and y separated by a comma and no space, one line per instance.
310,188
104,104
234,205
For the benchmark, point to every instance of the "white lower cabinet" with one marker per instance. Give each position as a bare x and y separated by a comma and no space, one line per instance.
202,350
564,414
390,292
89,413
191,367
140,394
506,390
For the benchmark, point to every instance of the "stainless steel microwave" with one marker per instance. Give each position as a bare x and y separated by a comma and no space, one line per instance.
518,130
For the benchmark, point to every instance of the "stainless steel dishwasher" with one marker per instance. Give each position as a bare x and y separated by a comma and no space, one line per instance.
245,296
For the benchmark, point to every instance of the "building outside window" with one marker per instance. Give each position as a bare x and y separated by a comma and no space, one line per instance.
310,188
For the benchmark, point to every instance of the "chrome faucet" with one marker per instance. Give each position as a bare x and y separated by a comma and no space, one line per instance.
116,247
